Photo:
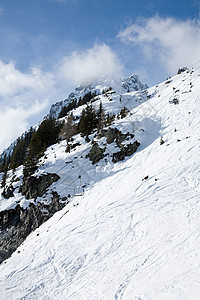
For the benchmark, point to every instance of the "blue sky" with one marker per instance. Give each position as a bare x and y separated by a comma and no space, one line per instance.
39,32
49,46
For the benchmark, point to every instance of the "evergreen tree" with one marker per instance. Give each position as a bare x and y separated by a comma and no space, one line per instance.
30,166
109,119
88,120
46,135
68,108
3,182
63,112
124,112
101,117
86,98
36,145
20,150
4,162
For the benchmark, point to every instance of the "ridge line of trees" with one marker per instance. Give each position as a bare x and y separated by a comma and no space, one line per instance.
31,146
74,104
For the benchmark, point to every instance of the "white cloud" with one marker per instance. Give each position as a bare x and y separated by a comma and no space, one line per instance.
13,82
19,90
99,61
13,122
18,104
171,42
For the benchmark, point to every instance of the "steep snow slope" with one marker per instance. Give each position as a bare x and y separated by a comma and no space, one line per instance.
135,233
70,165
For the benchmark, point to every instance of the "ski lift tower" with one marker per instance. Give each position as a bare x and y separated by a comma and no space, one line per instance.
79,191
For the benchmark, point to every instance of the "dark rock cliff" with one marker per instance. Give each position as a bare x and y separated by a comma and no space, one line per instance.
113,135
34,187
16,224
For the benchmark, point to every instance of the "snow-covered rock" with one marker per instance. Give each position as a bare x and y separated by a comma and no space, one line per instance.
133,83
129,84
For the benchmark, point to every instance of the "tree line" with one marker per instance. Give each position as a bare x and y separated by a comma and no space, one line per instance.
31,146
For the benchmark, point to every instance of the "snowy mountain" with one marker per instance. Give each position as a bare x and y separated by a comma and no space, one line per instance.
130,229
132,83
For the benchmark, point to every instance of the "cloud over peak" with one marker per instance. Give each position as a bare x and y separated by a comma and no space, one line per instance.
93,63
174,43
19,90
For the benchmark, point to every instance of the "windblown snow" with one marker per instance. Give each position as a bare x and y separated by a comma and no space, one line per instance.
135,233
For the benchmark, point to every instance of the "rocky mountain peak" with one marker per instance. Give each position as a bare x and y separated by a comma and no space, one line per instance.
132,83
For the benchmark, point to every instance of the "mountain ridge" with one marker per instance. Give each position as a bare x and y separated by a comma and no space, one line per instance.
132,83
133,233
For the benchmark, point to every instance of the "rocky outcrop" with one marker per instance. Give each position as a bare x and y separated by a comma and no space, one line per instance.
113,135
95,154
16,224
127,150
133,83
71,146
181,70
34,187
8,192
57,107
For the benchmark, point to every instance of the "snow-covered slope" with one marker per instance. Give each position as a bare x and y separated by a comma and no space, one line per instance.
134,234
132,83
69,166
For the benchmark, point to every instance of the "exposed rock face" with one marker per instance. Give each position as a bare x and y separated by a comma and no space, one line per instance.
57,107
11,216
71,146
181,70
127,150
96,153
16,224
34,187
133,83
113,135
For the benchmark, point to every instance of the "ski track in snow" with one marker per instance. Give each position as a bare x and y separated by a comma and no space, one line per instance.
129,237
